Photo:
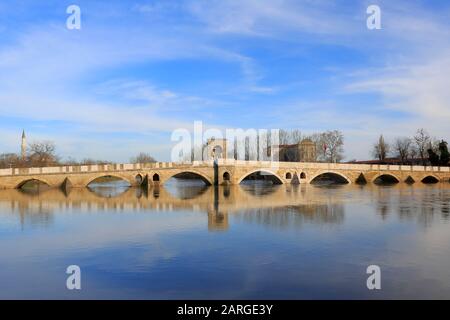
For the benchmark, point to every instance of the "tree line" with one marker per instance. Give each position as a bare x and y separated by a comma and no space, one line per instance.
421,148
43,154
329,145
329,148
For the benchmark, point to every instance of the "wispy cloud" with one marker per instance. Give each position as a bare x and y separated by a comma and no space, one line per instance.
269,18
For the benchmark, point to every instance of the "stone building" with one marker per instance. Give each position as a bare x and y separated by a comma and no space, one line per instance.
304,151
307,151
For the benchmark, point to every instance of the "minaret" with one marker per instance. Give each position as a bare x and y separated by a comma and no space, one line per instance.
23,146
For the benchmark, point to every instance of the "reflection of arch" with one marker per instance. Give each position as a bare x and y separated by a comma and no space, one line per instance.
288,175
20,185
138,178
191,173
108,176
295,179
430,179
276,179
302,175
385,178
226,191
156,191
108,192
335,176
184,193
256,191
226,176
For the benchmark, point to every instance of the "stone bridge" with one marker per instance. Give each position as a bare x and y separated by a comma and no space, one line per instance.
223,172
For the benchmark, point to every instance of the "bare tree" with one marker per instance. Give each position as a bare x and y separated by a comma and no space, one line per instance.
89,161
251,146
413,152
42,153
434,144
143,158
265,145
283,136
296,136
423,141
195,154
320,146
332,145
290,136
403,148
9,160
381,149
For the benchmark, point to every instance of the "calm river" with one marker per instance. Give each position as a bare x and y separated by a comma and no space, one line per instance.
253,241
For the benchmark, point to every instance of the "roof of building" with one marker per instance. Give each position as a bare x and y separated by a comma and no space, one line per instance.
307,141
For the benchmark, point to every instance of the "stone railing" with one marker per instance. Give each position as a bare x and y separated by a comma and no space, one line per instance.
332,166
230,162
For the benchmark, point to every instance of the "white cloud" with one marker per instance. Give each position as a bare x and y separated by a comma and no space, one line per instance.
418,89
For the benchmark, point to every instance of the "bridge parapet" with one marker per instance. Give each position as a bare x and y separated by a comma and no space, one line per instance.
226,162
331,166
100,168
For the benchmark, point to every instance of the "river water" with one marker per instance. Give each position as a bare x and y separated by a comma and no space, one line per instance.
253,241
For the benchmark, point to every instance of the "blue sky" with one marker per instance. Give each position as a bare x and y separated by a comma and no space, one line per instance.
137,70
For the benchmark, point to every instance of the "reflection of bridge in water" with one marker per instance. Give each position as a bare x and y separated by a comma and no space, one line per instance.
276,206
216,202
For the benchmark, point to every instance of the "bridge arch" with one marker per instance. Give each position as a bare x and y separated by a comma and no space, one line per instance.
386,178
21,183
207,180
276,178
430,179
106,175
340,177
